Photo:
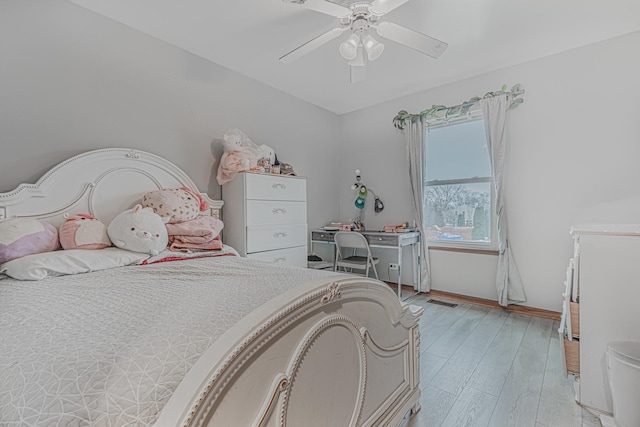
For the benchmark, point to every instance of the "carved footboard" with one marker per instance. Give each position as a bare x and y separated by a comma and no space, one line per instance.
339,353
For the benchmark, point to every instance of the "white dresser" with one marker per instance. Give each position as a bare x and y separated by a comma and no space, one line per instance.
603,282
265,217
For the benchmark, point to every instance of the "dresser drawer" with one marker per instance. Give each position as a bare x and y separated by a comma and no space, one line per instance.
274,187
267,237
295,257
325,236
264,212
381,239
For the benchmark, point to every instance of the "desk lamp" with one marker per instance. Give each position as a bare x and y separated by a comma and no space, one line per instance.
363,192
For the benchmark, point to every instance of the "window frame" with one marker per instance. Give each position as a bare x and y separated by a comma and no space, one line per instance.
463,246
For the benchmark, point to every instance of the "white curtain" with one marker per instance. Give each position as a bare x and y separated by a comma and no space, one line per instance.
508,282
415,134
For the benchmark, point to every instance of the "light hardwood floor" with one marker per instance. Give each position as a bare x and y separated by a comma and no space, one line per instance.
485,367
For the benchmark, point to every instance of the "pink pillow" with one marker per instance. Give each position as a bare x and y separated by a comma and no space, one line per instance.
83,231
179,204
24,236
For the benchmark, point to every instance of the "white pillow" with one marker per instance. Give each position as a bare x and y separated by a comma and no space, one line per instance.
73,261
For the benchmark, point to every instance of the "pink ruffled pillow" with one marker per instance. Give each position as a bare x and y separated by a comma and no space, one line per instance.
83,231
24,236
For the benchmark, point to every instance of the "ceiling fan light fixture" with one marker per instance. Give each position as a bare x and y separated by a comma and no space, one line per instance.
358,61
349,48
373,47
360,17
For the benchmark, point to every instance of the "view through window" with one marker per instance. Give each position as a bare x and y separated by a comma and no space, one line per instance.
458,191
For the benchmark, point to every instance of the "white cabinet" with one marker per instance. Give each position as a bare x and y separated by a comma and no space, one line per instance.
265,217
606,282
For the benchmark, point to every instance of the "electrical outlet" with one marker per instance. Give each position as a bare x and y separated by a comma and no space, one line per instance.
393,266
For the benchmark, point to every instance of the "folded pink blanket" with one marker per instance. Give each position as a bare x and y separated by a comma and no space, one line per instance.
180,246
201,233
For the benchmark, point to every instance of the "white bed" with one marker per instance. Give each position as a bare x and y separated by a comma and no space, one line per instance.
217,341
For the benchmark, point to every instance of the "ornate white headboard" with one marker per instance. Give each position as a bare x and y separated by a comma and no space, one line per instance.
102,182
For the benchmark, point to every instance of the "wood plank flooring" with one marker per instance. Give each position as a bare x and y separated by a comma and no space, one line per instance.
486,367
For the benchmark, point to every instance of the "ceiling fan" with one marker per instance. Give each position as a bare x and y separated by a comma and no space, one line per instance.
360,18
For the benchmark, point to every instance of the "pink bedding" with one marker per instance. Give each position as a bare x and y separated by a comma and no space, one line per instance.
200,233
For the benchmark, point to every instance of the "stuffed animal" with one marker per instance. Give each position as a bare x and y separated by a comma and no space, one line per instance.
83,231
240,154
179,204
287,169
26,236
139,230
266,152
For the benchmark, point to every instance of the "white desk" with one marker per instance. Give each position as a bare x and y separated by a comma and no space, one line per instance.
381,239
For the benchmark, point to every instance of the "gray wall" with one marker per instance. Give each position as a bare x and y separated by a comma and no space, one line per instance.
575,145
72,81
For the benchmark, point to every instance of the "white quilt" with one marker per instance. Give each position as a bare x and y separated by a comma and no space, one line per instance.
108,348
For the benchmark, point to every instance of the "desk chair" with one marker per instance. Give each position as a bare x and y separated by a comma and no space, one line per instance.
351,240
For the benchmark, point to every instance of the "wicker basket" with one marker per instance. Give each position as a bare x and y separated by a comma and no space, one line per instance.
574,310
572,356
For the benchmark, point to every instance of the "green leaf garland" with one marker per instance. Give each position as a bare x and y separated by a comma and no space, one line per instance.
444,112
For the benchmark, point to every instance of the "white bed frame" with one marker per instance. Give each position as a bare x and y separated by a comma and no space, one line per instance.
339,352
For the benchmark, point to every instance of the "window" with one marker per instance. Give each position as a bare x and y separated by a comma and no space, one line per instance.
458,189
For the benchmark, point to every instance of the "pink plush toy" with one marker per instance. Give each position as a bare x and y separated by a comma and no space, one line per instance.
240,154
83,231
179,204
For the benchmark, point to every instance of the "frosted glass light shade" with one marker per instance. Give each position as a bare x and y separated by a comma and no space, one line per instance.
349,48
358,61
373,47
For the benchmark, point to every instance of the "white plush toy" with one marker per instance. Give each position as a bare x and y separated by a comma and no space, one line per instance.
266,152
139,230
240,154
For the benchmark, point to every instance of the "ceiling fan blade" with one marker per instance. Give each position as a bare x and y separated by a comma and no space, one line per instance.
410,38
358,74
380,7
323,6
312,44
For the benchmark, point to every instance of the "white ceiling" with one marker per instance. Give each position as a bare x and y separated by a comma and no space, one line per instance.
248,36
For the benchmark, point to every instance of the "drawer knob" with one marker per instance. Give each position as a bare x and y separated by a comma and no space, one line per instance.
277,211
277,185
279,234
281,259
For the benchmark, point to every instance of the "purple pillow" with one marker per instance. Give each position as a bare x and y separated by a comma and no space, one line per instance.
25,236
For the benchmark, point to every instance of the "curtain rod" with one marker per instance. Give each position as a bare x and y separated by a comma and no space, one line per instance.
473,114
439,113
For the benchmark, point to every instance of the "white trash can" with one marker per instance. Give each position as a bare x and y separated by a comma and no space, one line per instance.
623,364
